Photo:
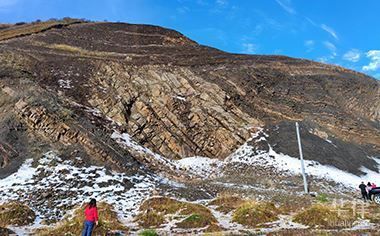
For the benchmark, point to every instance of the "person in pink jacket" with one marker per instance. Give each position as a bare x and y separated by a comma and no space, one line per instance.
91,213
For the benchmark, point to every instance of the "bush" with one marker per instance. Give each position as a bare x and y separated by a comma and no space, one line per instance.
317,216
15,213
254,214
154,210
227,203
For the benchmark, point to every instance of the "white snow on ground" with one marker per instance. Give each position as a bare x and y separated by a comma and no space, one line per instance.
76,185
291,165
329,141
126,141
206,167
195,166
65,84
180,98
362,225
202,166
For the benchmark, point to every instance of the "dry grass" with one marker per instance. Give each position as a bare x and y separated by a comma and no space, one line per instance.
289,203
83,52
108,221
254,214
154,211
227,203
316,232
324,216
15,213
27,29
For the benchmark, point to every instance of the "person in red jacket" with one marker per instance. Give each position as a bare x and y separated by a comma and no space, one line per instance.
91,213
373,185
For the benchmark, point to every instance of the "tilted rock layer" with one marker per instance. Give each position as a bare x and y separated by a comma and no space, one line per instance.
69,85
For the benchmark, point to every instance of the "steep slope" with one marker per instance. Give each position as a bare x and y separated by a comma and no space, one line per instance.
70,86
122,112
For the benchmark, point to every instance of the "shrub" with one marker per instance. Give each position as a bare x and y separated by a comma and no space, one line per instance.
317,215
150,219
154,210
15,213
227,203
253,214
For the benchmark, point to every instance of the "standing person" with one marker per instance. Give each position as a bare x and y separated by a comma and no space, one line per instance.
373,186
91,213
369,188
363,189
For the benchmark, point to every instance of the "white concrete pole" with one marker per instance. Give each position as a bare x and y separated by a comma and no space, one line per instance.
301,157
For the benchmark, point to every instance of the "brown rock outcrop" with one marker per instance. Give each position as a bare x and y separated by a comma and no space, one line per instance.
179,98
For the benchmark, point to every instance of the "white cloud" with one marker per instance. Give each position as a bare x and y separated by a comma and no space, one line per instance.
221,3
330,46
249,48
183,10
374,64
309,44
330,30
286,5
311,21
353,55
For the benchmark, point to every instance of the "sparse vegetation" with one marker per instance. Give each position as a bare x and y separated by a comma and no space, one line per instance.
254,214
82,52
227,203
322,198
22,28
148,232
290,203
108,221
323,216
153,213
15,213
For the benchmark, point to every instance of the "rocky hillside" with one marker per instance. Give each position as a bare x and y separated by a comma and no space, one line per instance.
69,84
122,112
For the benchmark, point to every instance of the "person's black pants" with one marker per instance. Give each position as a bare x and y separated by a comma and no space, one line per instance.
365,196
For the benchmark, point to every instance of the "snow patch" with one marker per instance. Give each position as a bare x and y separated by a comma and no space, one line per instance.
71,185
202,166
65,84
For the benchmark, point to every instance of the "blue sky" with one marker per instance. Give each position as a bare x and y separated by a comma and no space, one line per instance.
343,32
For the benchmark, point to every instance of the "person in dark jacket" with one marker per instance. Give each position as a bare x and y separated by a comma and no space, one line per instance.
91,213
363,189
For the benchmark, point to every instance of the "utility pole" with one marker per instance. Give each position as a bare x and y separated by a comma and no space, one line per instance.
301,157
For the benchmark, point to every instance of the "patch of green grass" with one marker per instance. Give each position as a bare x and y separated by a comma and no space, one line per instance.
148,232
322,198
15,213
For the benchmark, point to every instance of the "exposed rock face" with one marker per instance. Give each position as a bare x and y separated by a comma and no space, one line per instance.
174,96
